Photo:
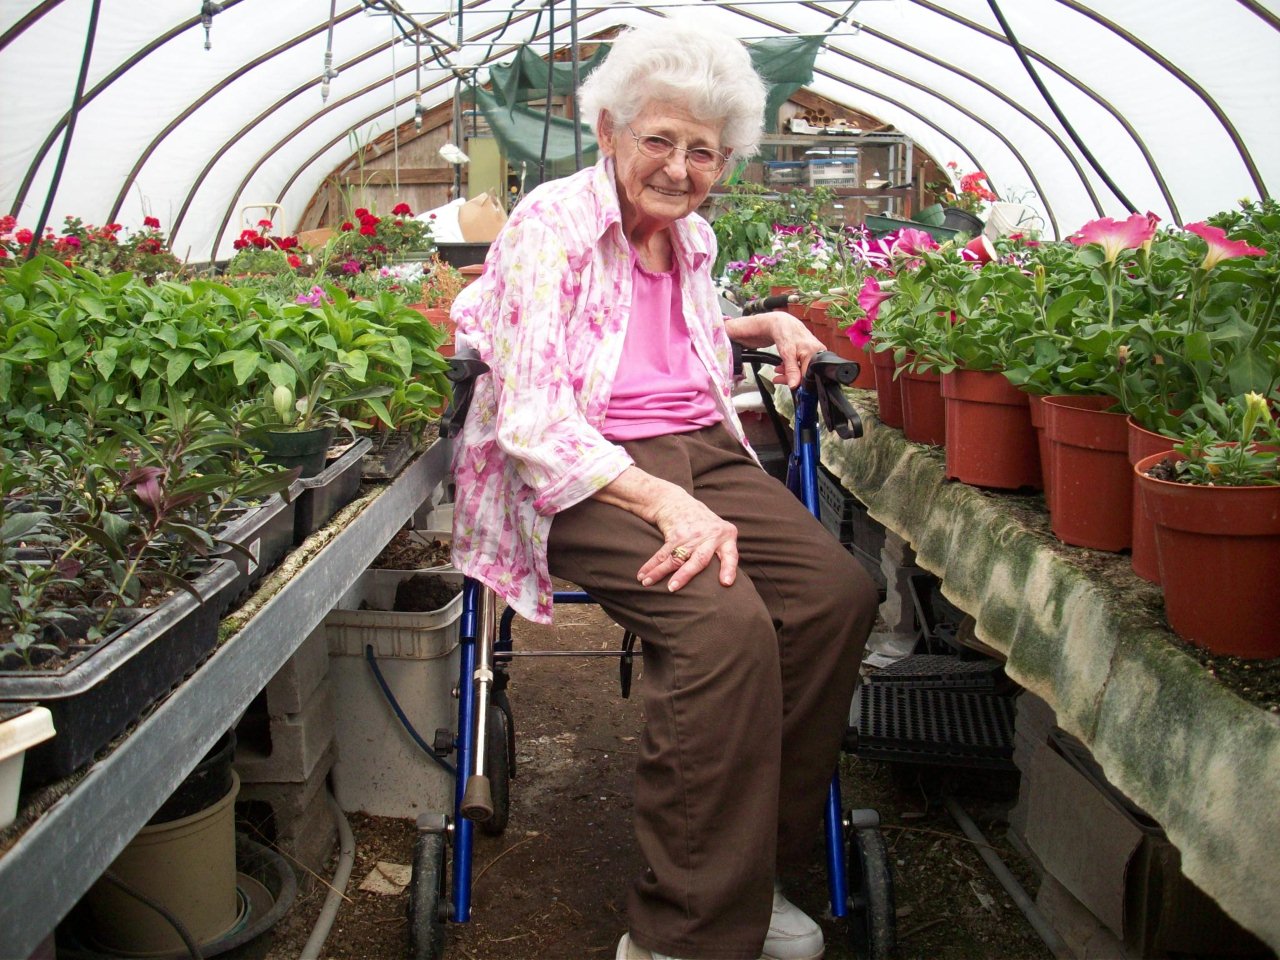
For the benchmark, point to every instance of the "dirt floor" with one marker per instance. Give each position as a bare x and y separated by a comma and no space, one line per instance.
554,885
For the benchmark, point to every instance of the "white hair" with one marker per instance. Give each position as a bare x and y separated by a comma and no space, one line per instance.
678,60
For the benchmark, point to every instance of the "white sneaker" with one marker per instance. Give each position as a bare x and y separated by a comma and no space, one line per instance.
793,934
632,951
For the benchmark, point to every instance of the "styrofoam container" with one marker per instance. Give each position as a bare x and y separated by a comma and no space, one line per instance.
18,735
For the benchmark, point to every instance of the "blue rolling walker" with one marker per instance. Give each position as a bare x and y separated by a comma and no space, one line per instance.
859,880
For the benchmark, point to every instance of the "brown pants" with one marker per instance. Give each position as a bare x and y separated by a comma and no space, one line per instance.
746,691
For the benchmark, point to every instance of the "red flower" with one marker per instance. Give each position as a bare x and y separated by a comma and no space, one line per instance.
261,242
295,261
7,223
347,226
361,213
4,254
23,236
151,222
402,210
368,230
265,224
240,243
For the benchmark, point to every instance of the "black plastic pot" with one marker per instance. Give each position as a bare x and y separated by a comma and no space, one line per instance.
962,220
462,254
97,696
323,495
204,786
264,534
296,448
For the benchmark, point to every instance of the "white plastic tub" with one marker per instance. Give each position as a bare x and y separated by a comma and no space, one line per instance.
18,735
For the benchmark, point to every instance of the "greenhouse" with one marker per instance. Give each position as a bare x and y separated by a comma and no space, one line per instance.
373,586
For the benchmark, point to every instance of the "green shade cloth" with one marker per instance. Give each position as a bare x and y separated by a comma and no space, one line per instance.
1083,632
519,130
786,65
525,77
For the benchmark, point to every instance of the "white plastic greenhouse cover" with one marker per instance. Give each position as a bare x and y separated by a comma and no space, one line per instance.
1174,100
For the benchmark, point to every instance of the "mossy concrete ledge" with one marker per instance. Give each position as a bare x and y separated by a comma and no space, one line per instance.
1078,629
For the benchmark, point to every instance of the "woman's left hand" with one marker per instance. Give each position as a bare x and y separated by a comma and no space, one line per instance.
793,342
795,345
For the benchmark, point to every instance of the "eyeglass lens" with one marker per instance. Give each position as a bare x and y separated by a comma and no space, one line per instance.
659,148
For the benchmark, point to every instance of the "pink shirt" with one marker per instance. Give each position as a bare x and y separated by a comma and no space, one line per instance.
549,316
661,385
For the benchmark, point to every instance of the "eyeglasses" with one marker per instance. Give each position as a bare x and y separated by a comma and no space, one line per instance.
703,159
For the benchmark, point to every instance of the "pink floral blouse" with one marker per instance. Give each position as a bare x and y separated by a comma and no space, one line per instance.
549,316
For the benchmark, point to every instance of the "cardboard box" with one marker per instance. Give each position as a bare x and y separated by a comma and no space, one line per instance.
1118,863
480,218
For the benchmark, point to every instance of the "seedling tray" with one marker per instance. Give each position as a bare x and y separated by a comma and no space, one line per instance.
323,495
95,698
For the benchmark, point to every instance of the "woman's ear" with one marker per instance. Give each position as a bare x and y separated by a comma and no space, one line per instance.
605,131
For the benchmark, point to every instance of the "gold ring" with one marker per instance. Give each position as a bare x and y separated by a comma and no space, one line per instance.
680,553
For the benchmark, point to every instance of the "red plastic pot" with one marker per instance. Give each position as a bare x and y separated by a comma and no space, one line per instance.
888,390
1092,496
1035,407
924,417
990,440
1144,443
1216,548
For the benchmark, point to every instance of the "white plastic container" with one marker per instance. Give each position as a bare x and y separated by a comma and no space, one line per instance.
18,735
379,769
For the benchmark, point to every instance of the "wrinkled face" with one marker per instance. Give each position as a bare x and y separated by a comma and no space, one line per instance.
657,192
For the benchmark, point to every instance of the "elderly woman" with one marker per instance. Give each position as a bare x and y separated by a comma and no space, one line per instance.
604,448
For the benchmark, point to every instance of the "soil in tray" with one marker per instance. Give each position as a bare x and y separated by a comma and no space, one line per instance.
424,592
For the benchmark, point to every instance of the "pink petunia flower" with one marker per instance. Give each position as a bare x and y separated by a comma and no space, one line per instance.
1220,247
860,331
1116,236
871,296
911,241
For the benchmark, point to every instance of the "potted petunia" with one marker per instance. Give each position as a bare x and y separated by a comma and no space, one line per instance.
1215,503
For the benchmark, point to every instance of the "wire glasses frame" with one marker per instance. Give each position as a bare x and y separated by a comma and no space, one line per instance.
703,159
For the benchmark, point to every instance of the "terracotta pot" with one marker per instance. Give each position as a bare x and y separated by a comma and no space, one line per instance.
1217,548
471,273
776,291
1144,443
990,440
888,390
1035,407
822,326
924,417
440,317
1092,499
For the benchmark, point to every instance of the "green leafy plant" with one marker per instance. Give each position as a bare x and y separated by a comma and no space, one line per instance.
1233,445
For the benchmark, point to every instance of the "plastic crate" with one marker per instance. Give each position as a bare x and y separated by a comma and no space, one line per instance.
934,670
879,225
836,506
785,173
833,172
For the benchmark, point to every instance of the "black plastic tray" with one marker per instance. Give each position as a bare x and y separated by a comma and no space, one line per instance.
323,495
266,532
935,670
386,461
932,725
95,699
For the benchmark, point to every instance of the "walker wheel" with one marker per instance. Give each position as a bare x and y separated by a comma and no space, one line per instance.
498,753
870,882
428,899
